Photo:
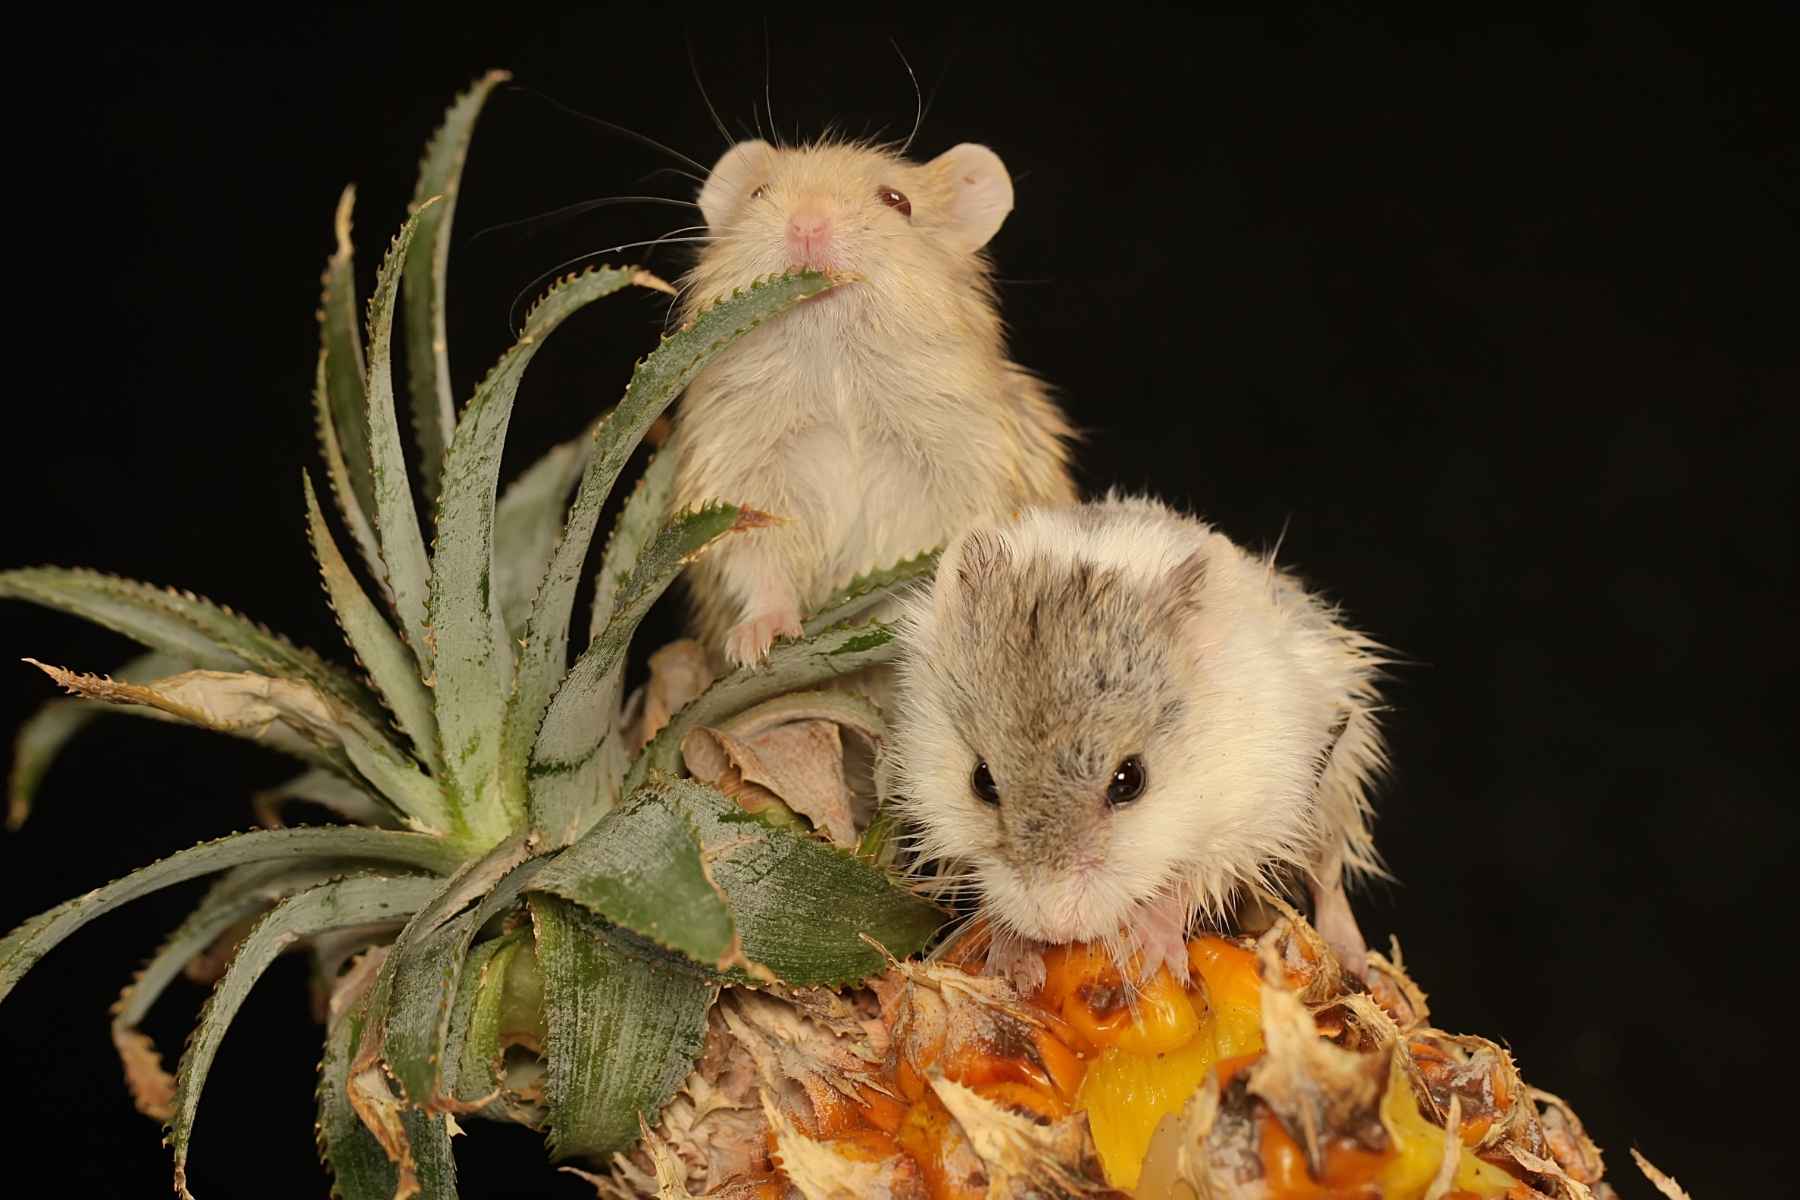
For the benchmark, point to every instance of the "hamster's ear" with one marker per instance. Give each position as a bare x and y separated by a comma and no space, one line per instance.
970,566
1181,588
981,194
738,170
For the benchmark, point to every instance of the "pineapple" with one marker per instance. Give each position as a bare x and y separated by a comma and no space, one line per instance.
661,930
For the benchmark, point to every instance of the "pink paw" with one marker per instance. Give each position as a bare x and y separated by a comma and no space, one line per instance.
1337,925
1018,960
1160,933
749,641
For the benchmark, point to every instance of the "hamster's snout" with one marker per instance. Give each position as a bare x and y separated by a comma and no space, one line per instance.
809,237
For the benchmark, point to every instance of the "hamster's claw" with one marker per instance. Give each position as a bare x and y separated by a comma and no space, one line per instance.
749,640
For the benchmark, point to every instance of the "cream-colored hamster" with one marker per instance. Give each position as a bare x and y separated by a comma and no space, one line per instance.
879,418
1113,720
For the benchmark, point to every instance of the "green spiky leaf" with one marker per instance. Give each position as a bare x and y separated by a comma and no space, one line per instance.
565,795
340,403
800,906
639,519
790,666
866,591
42,737
654,386
237,897
184,626
482,1022
360,1168
21,949
286,715
426,965
474,651
350,799
337,474
526,522
427,345
625,1027
640,868
390,664
403,558
357,901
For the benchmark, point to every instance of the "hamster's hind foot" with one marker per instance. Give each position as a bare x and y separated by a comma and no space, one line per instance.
749,640
1337,925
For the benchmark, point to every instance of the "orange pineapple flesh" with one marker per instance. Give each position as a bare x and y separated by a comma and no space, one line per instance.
1079,1055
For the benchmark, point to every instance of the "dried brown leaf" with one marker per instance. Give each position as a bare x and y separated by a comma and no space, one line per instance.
1566,1188
1495,1107
800,764
1663,1183
679,672
1313,1086
1394,990
818,1171
152,1088
1023,1158
1566,1140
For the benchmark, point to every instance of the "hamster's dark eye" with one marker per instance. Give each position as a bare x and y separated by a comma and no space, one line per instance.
894,200
982,783
762,189
1127,782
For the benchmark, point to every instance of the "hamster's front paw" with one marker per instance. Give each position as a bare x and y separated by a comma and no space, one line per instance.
1160,933
749,640
1019,961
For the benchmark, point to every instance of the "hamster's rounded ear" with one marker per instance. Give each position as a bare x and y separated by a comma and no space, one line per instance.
1182,587
981,194
738,171
970,565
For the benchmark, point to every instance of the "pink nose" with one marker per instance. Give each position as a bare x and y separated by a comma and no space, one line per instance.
809,236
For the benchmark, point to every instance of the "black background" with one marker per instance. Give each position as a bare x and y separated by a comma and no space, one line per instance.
1495,321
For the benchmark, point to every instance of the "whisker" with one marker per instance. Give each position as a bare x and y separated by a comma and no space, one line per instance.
512,312
569,211
694,67
644,138
769,104
699,179
918,98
